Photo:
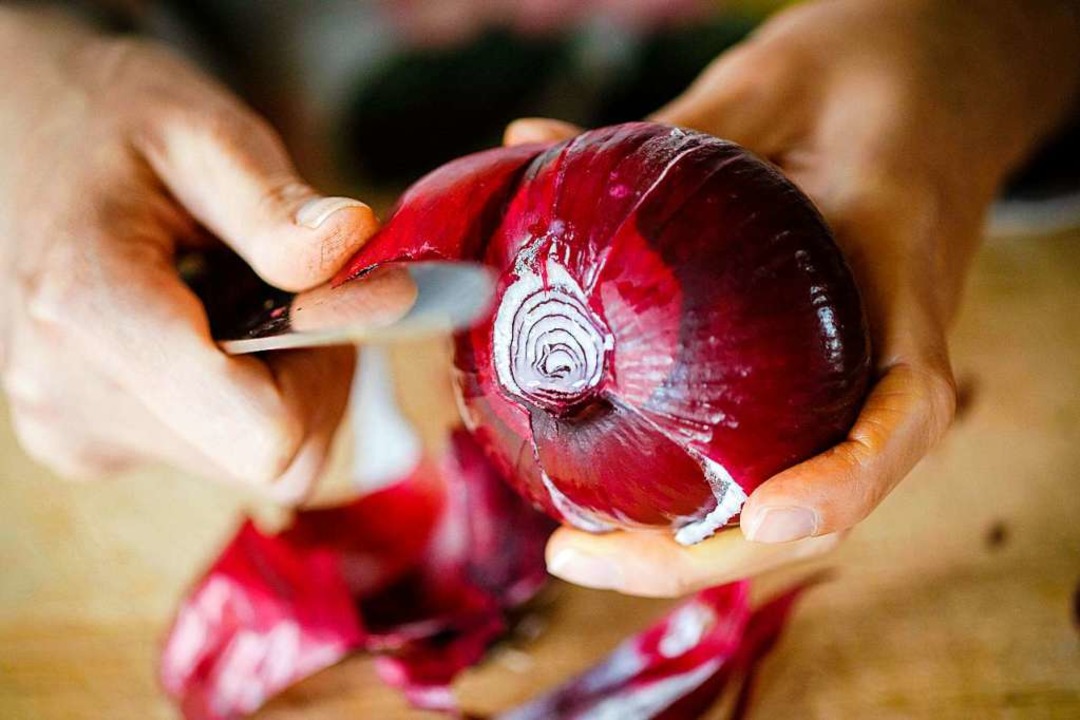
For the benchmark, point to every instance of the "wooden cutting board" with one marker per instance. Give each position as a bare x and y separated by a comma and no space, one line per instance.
955,600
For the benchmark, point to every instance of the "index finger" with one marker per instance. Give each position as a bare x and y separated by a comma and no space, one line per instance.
654,565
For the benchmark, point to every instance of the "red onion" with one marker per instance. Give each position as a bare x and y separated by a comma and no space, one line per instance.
675,323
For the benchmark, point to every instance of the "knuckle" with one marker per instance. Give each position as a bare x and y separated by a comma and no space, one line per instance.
205,116
739,71
125,72
83,467
856,468
69,457
40,442
865,443
96,465
274,445
57,296
24,388
865,198
112,62
754,70
942,393
864,493
249,142
936,389
230,123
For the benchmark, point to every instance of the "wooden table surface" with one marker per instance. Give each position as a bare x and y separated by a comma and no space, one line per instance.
957,599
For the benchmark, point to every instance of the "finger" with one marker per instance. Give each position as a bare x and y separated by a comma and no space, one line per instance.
69,457
82,409
320,380
748,95
907,412
654,565
231,171
538,130
120,306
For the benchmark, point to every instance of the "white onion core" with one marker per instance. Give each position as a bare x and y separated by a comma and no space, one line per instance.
549,346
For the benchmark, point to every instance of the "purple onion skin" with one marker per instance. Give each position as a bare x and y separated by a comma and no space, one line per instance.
673,670
421,573
680,666
448,214
675,325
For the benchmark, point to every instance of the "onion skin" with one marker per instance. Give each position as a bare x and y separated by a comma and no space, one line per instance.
675,325
424,574
707,647
447,214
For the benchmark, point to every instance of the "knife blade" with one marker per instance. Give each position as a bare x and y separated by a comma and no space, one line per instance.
397,301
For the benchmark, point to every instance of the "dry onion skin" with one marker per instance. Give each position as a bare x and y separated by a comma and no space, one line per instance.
674,322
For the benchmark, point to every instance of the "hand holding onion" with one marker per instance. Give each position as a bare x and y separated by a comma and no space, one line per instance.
902,139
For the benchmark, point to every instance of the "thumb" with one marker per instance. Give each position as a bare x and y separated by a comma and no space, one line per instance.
230,170
747,95
538,130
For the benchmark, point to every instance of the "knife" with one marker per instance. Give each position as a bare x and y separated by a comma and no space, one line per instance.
396,301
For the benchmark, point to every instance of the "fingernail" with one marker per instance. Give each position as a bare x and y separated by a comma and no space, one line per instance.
782,524
314,213
586,570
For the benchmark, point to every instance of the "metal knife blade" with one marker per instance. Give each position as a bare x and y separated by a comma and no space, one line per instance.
394,302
